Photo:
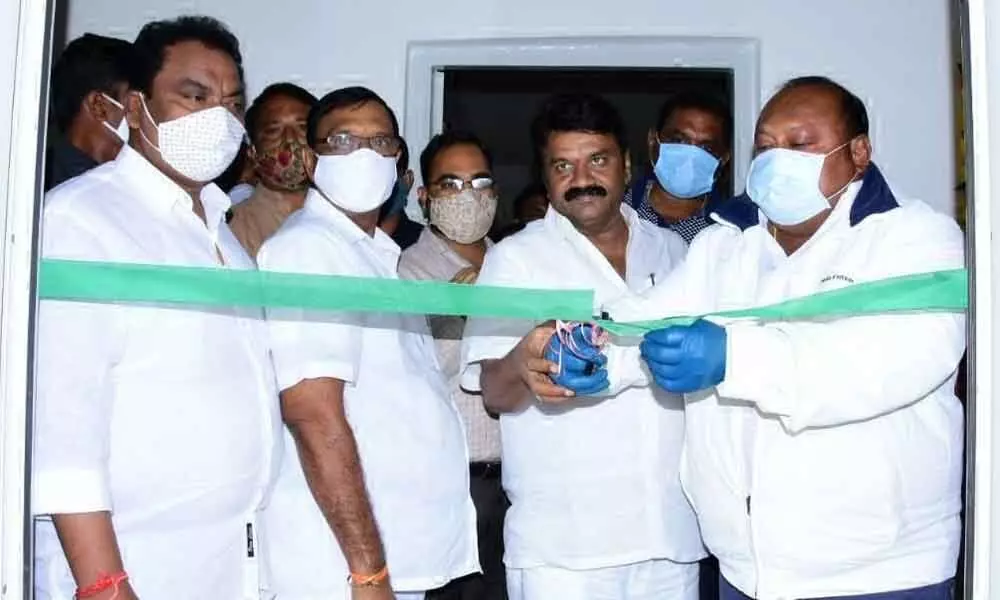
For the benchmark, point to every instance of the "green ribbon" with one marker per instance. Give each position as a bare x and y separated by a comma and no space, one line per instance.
940,291
943,291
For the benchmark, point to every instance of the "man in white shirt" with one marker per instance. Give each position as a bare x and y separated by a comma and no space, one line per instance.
375,504
459,199
824,458
155,427
597,509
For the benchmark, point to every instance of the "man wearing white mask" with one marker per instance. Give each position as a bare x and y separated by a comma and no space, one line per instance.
155,428
89,83
824,458
375,503
459,199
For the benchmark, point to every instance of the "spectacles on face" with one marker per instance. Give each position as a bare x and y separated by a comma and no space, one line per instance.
451,186
345,143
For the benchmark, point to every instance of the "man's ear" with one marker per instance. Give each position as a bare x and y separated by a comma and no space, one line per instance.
309,160
93,105
628,169
423,200
653,145
407,178
861,152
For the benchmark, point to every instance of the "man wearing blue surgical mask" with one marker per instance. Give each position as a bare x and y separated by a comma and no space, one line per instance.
392,217
689,151
823,458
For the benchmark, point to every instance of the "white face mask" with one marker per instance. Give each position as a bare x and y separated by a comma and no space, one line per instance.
358,182
200,145
785,185
121,129
466,217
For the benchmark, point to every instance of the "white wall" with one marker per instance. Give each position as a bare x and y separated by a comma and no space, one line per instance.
896,54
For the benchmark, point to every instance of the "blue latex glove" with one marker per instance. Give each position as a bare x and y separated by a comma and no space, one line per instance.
583,368
686,358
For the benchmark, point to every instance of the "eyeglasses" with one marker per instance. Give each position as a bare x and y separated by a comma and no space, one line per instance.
345,143
450,186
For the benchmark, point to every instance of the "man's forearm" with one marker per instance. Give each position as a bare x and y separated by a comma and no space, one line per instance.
503,388
329,456
91,548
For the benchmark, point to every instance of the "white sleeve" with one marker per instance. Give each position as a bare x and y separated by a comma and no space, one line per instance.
490,338
815,374
78,346
309,344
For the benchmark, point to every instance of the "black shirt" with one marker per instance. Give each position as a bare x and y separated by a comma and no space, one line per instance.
65,161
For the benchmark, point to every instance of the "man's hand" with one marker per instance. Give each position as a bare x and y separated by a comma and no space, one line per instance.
383,591
686,359
466,275
536,372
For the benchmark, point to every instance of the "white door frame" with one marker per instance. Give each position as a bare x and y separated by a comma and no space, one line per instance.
982,50
427,61
25,27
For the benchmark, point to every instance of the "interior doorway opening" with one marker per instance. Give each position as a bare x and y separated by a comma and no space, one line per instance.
498,104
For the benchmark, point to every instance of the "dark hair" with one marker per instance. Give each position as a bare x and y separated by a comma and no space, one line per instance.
348,97
403,162
853,110
89,63
577,112
442,141
150,46
700,101
535,188
275,90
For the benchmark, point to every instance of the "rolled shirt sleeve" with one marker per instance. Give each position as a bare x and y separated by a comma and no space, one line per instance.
309,344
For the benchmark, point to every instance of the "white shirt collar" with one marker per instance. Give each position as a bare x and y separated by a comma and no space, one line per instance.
343,225
559,223
161,194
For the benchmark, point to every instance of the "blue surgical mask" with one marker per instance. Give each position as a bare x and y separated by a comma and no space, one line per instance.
684,170
396,202
785,185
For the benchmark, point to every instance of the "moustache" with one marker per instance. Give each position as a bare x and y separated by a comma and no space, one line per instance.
590,190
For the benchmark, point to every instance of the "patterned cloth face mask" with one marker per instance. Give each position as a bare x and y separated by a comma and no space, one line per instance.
283,168
465,217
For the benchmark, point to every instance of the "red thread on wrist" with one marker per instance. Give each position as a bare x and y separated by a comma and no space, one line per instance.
103,583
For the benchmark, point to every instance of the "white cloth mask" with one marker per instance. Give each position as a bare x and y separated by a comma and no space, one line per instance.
358,182
199,145
121,129
785,184
465,217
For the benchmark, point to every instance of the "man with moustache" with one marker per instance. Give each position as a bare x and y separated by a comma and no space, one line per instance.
592,475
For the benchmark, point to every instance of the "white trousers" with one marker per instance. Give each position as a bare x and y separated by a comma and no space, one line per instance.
649,580
410,596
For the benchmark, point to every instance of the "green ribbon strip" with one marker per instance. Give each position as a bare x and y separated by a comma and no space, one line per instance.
940,291
120,282
943,291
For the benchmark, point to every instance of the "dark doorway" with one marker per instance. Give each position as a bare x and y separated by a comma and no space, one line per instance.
497,104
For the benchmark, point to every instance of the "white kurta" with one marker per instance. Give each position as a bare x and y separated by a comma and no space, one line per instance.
167,417
409,433
829,461
595,483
